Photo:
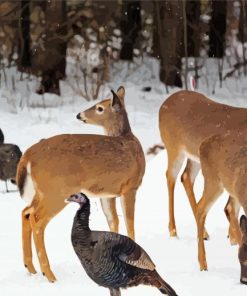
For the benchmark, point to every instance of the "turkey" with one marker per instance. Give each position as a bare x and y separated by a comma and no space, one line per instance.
1,137
10,155
112,260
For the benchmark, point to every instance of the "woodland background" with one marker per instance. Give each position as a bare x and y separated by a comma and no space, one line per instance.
80,41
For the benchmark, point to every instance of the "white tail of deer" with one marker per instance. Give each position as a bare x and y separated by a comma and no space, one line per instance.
186,118
224,165
101,166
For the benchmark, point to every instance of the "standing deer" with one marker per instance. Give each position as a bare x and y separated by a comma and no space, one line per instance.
101,166
224,165
186,118
242,253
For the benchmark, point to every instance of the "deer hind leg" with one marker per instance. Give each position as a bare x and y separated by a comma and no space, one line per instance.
27,240
175,162
212,190
109,209
38,222
128,208
188,179
232,209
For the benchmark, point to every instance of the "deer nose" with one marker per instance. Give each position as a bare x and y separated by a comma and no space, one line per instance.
78,116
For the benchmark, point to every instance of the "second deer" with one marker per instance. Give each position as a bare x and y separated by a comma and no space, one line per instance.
186,118
101,166
224,165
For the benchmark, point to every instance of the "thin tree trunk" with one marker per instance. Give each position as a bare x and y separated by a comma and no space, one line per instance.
193,12
170,27
243,30
217,29
185,45
217,34
53,69
24,62
130,26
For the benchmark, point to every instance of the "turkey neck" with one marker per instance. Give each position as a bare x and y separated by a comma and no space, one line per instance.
81,224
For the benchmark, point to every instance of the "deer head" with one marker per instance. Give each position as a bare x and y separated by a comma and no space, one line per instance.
109,113
242,254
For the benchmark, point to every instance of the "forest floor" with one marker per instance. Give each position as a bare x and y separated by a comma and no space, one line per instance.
175,258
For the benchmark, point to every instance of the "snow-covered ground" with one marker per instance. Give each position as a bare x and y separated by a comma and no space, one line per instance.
176,259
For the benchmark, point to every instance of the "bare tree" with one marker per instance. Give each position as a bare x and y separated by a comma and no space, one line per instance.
217,33
24,56
169,16
53,57
243,30
130,26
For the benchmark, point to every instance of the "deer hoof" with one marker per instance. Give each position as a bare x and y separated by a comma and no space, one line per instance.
30,268
173,233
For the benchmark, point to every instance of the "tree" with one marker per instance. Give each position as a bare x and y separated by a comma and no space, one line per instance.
170,31
243,30
54,55
193,12
24,57
130,26
217,34
217,29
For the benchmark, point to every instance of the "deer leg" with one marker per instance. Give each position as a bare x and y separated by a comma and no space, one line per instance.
128,208
27,240
212,190
232,209
6,186
188,179
109,208
38,224
175,162
115,292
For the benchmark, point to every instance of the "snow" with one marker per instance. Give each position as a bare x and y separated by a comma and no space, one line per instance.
176,259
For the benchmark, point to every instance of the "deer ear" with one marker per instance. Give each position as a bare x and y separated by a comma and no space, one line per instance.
243,224
121,93
116,103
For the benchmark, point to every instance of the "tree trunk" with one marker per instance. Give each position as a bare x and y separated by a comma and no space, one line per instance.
54,56
193,27
24,58
170,27
243,30
217,29
130,26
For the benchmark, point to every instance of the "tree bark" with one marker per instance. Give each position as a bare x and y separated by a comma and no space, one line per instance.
217,29
170,27
130,26
193,12
54,56
24,59
243,30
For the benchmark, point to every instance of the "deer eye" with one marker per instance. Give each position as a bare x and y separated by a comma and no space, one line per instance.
100,109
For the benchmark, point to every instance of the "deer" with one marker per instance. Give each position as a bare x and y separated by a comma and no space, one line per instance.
242,252
223,159
186,118
101,166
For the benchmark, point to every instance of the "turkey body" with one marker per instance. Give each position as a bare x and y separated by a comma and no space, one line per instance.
112,260
10,155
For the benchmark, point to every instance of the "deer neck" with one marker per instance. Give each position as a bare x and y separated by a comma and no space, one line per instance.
119,127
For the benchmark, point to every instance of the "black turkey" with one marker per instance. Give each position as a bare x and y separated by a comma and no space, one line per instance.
112,260
10,155
1,137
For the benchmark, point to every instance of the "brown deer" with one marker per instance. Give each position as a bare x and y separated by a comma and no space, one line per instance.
242,253
224,165
100,166
186,118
